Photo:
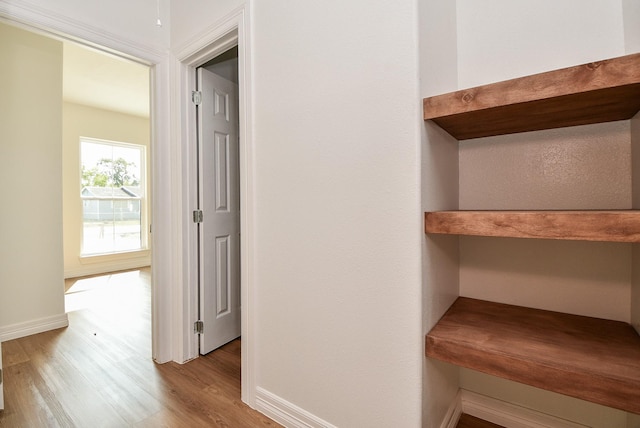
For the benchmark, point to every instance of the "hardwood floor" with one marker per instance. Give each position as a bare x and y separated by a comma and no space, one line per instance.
98,371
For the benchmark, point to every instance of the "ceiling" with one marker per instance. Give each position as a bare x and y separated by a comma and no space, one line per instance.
105,81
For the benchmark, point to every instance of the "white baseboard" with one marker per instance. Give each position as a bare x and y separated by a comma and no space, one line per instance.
454,412
508,415
15,331
285,413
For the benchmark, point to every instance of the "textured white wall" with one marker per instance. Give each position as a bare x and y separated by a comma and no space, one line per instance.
635,285
585,167
631,10
338,219
337,241
502,39
439,188
571,409
631,16
31,173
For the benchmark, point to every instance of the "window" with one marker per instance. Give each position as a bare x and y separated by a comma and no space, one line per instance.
113,197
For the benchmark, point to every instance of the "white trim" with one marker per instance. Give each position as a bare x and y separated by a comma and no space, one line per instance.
55,24
454,412
165,237
27,328
231,30
285,413
165,242
509,415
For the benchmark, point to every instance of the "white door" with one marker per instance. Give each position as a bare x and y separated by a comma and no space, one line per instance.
220,204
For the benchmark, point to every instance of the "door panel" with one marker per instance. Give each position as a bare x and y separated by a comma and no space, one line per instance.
220,204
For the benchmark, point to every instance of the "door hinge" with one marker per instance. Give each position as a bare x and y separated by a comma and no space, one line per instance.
198,327
196,97
197,216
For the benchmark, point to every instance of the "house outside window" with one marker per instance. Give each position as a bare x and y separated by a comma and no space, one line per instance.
113,197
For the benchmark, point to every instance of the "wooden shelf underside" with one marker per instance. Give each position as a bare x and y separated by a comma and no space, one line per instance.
588,358
610,226
597,92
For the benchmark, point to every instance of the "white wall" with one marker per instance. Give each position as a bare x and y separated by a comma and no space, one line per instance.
337,118
501,39
31,173
631,10
585,167
337,242
631,16
568,408
634,420
439,191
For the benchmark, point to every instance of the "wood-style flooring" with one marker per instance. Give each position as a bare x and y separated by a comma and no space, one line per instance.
98,372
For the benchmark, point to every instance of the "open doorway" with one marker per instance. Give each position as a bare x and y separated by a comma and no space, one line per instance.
106,204
106,140
226,35
40,152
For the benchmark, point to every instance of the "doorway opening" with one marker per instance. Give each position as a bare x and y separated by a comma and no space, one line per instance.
106,136
231,32
218,203
72,111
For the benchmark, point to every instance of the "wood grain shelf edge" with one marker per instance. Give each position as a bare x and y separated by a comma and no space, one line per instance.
607,226
596,92
587,358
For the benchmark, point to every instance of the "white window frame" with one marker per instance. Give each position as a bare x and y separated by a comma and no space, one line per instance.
144,199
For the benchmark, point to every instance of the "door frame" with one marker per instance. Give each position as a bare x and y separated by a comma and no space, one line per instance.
164,242
233,30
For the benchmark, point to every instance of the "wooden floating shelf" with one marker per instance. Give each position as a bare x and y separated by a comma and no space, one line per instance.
610,226
597,92
588,358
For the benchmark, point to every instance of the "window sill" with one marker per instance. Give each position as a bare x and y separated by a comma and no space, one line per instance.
103,258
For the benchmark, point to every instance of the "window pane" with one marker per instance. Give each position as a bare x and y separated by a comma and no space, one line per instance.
111,225
112,192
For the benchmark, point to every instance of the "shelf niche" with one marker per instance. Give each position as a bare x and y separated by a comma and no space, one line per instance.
587,358
596,92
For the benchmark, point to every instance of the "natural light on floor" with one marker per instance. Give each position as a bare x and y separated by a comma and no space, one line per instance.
122,290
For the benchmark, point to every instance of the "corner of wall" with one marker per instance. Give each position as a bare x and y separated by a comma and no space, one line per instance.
631,17
439,191
30,155
635,189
